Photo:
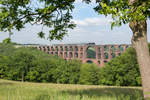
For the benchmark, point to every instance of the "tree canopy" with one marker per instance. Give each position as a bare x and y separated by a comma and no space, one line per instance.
55,14
122,70
123,11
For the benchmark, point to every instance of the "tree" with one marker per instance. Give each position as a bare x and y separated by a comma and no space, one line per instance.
121,71
21,62
134,12
4,63
73,68
89,74
7,40
56,14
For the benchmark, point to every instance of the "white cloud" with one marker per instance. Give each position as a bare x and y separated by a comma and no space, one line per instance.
78,1
97,21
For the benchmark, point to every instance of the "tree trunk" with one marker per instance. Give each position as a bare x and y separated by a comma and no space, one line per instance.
140,43
23,77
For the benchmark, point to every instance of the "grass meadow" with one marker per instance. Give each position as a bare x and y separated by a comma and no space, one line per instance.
12,90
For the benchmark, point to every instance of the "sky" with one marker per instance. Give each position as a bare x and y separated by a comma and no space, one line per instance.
91,27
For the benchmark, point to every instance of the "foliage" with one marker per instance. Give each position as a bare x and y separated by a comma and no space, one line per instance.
6,49
89,74
4,63
123,11
41,71
67,72
30,64
121,71
55,14
7,40
23,61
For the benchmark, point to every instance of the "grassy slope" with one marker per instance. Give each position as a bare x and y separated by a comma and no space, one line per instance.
11,90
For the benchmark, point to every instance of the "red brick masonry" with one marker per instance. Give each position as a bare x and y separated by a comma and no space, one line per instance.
104,53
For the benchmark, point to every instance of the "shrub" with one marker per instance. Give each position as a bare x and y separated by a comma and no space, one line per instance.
121,71
89,74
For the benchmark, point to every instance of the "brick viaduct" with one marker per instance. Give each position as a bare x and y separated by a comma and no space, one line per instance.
103,53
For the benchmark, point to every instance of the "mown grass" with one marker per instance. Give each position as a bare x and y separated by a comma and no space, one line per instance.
11,90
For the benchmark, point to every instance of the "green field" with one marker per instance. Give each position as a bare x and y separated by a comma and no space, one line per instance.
11,90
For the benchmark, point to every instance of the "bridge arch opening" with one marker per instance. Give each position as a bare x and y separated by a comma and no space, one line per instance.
91,52
113,48
113,55
121,48
106,55
89,62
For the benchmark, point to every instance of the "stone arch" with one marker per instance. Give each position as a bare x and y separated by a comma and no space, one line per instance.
76,55
106,55
91,52
99,55
76,48
70,54
126,46
56,48
61,53
89,61
113,55
99,49
66,48
52,48
81,48
66,55
113,48
61,48
48,48
44,48
105,61
71,48
81,55
119,54
121,49
99,62
106,48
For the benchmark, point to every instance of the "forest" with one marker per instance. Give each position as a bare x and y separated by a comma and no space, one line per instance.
32,65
